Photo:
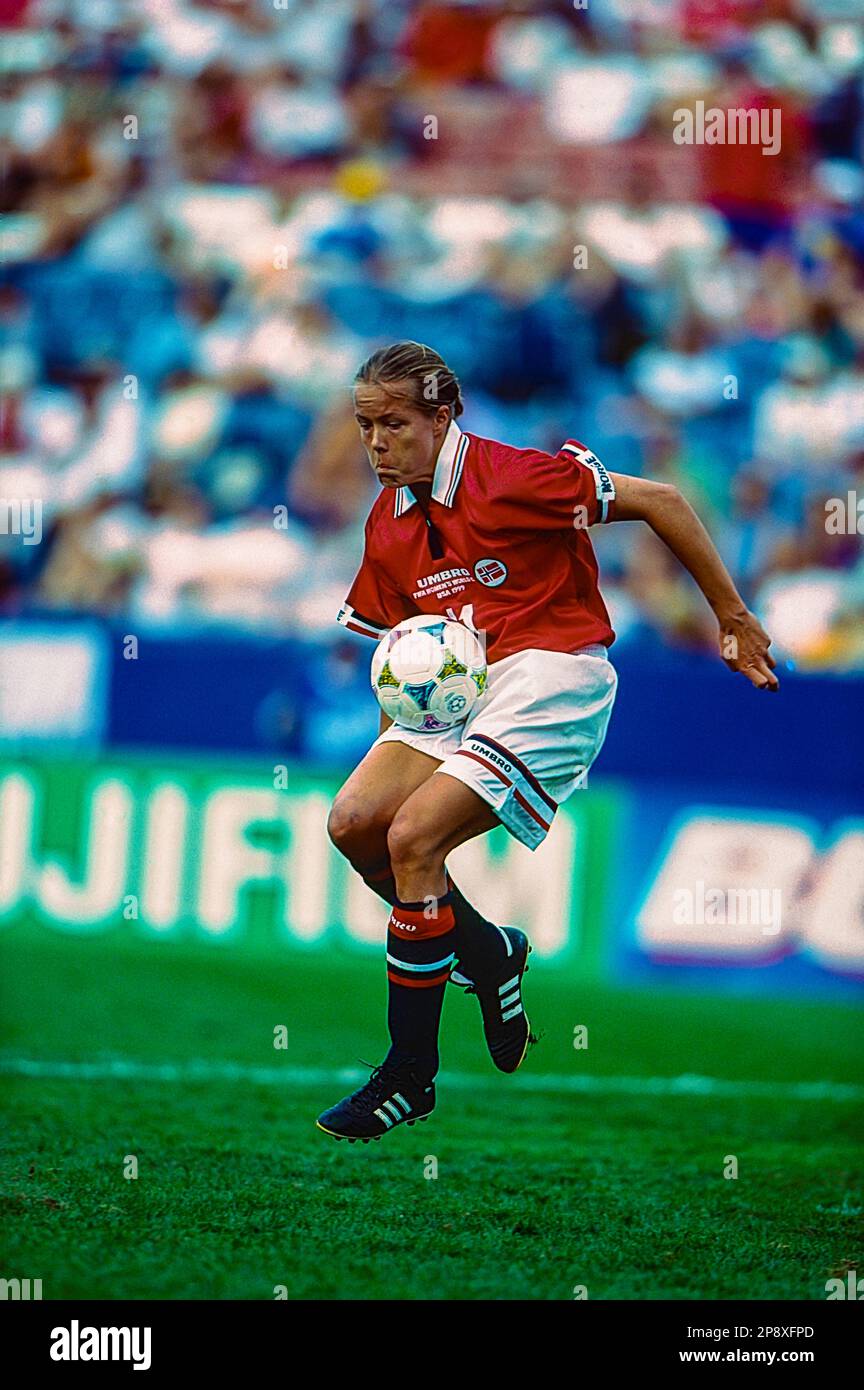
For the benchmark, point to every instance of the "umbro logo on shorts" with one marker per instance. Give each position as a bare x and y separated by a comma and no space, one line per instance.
490,572
481,746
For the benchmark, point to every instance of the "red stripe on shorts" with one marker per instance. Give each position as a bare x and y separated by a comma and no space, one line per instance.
526,805
490,767
526,771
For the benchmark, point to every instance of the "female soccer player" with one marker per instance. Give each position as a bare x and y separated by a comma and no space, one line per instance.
496,538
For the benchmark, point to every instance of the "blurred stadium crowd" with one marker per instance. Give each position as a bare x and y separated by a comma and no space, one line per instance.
214,210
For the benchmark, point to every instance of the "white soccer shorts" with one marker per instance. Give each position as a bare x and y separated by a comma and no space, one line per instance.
529,742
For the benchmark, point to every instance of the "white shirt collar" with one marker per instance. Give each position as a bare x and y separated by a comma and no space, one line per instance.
448,471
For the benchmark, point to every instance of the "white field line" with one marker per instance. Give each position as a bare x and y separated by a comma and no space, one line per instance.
127,1069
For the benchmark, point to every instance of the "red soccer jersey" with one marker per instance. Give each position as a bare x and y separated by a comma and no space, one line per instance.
517,556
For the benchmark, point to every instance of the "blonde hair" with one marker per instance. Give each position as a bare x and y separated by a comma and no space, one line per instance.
431,382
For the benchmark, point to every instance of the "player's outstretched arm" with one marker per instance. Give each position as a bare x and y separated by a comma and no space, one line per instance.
744,643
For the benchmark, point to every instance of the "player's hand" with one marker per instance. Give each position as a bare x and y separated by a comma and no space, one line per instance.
744,646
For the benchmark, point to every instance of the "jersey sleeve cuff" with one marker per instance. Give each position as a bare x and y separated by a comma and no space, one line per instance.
355,622
604,485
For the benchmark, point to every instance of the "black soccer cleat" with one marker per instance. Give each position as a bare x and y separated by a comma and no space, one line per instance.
393,1095
505,1022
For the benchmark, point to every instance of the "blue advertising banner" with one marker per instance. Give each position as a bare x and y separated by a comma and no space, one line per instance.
753,898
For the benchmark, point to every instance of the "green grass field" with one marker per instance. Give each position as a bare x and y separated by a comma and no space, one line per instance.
541,1185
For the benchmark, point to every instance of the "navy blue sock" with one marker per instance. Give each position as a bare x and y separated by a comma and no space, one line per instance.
420,952
478,943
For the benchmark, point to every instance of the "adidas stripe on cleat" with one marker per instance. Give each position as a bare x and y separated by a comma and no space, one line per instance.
505,1022
392,1096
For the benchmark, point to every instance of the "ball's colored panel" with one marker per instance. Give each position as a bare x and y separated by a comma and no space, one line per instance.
452,700
451,667
428,672
386,677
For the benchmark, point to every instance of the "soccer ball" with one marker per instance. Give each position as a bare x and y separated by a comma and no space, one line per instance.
428,673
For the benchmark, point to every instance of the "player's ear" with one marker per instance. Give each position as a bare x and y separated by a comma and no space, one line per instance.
442,419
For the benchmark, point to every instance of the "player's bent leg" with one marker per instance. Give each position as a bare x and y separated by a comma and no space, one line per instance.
363,811
360,819
420,953
420,848
438,817
419,958
434,820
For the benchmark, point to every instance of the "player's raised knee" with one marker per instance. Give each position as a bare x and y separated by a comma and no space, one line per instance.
349,826
409,840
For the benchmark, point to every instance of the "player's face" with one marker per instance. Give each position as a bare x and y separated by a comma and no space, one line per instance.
401,441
